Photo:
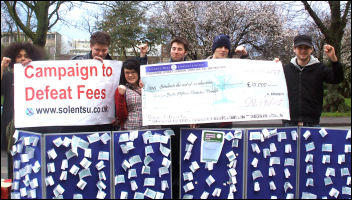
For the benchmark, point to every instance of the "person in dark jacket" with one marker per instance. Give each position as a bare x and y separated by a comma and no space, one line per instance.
99,49
221,49
14,53
305,76
99,46
178,53
22,53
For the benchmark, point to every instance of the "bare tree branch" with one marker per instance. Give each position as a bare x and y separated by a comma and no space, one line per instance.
29,5
316,19
103,3
56,20
15,17
55,11
346,12
42,17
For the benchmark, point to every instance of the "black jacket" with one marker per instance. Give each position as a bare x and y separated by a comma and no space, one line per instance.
89,56
7,90
143,61
305,88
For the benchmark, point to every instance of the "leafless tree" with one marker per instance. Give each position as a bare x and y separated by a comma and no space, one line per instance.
38,19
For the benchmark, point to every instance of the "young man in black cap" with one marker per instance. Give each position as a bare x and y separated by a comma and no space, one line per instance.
305,76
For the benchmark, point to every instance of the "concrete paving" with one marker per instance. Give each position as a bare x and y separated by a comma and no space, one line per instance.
330,122
324,122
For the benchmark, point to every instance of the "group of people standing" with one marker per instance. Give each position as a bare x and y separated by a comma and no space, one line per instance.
305,76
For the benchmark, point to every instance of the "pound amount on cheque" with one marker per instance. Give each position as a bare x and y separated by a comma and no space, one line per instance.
256,84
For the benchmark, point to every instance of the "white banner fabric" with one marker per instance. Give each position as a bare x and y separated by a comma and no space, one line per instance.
65,93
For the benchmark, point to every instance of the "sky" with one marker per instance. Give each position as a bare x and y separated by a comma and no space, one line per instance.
72,33
74,16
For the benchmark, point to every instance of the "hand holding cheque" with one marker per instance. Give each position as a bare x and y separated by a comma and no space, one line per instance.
213,91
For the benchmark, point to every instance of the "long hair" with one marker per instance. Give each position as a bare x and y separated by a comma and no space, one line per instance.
34,52
131,64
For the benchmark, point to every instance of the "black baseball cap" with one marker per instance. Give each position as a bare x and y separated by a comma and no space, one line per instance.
303,40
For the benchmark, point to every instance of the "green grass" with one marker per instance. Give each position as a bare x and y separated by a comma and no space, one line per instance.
337,114
348,101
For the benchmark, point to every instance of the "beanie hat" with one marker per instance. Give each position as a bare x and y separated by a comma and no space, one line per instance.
302,40
221,40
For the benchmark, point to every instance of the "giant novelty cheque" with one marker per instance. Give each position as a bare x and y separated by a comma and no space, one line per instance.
216,90
65,93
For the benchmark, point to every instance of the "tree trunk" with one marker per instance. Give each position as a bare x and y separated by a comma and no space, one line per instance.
334,101
41,10
43,23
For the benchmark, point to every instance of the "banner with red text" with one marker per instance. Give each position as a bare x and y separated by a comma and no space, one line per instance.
65,93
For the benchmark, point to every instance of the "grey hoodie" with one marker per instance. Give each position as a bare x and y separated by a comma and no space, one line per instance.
313,60
306,90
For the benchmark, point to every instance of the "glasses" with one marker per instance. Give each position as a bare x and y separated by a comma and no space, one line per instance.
130,73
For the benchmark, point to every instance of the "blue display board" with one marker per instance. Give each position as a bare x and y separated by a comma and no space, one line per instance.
220,171
133,142
69,185
27,183
322,157
276,140
316,171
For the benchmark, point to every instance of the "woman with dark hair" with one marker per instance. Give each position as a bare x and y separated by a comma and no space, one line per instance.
128,99
22,53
